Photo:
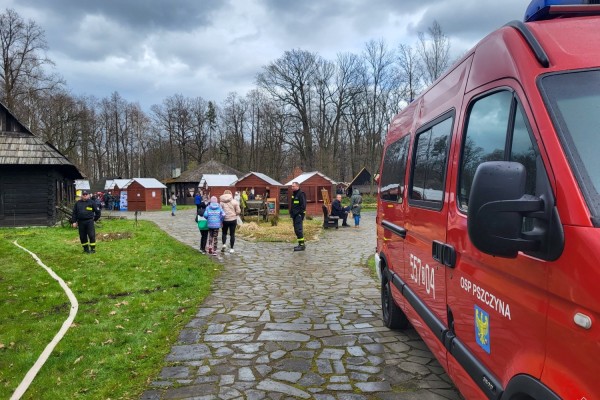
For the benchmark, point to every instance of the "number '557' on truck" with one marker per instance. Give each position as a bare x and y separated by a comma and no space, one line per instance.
488,220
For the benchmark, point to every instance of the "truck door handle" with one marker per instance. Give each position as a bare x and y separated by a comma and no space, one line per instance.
443,253
398,230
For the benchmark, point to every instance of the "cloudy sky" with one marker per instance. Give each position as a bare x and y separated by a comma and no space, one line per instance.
148,50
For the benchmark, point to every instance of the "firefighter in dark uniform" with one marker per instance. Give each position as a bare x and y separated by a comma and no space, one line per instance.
297,212
85,213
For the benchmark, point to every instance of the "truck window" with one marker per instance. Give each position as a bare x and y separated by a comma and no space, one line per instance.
393,170
523,151
429,171
497,130
573,100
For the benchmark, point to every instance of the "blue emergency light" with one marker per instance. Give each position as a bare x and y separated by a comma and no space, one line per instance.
539,10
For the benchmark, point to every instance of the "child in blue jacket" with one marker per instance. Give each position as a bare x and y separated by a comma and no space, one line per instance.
214,214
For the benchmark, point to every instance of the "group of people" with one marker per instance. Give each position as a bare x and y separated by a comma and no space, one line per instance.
217,214
222,213
298,212
110,202
342,212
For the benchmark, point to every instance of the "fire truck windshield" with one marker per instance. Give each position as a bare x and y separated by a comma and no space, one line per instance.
573,100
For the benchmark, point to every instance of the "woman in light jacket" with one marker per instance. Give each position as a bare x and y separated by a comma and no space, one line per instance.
232,209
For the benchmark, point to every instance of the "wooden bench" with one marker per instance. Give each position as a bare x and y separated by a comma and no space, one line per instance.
255,207
328,220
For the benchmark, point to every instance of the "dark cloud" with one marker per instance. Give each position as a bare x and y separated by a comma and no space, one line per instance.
310,18
142,15
148,50
99,29
470,19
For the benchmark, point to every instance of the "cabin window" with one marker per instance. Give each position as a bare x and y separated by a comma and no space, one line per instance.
311,194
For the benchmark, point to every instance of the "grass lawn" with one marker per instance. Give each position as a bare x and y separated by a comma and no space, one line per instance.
372,268
135,295
369,202
179,207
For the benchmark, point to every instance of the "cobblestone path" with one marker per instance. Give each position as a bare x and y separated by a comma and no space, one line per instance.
304,325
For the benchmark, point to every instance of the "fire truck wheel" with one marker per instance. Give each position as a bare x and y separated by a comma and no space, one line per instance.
393,317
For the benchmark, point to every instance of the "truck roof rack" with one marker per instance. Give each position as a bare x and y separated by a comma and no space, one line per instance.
532,41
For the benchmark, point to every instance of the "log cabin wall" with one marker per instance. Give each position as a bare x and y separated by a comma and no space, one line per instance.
29,194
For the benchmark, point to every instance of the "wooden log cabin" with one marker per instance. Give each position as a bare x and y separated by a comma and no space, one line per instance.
34,176
264,186
186,185
362,181
144,194
215,185
312,184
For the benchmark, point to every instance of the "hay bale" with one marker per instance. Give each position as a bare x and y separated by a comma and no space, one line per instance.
249,227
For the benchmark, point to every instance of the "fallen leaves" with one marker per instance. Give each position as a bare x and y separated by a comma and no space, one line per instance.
10,346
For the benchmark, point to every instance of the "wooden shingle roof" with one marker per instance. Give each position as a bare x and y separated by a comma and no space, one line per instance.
18,146
209,167
26,149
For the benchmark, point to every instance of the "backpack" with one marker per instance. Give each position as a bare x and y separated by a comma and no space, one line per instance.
202,224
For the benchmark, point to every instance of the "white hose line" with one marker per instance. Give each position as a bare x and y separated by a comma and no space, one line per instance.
24,385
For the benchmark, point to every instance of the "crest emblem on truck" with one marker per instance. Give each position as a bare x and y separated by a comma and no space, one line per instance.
482,329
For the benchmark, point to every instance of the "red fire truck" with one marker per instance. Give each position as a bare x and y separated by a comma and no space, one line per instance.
488,215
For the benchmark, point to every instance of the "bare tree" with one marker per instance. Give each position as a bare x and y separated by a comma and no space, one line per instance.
411,72
22,76
114,123
139,127
434,51
175,119
201,128
336,85
289,80
379,81
348,88
232,145
323,114
268,125
95,150
60,121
